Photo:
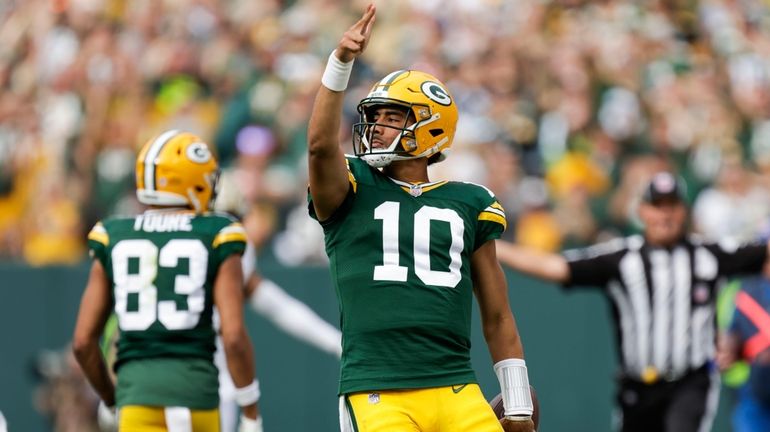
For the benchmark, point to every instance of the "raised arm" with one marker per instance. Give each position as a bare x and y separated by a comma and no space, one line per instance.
327,172
543,265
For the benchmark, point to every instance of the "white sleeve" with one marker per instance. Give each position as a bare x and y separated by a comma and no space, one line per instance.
295,317
248,261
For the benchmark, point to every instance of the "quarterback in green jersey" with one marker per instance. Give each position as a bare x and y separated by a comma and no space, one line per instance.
406,257
162,273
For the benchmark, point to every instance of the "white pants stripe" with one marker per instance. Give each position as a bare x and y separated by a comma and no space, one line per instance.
178,419
346,421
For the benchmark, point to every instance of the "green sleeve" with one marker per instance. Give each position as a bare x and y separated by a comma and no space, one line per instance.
491,222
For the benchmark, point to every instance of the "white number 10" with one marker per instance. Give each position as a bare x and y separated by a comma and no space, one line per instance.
390,270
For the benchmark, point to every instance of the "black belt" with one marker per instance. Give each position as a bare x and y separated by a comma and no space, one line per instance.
651,376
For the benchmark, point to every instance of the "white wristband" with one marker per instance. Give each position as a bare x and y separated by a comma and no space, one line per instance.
514,387
247,395
337,74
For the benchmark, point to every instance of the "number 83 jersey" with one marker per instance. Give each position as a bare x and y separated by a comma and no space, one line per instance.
400,259
162,265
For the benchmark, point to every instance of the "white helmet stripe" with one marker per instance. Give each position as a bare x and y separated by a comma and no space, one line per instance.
385,82
152,154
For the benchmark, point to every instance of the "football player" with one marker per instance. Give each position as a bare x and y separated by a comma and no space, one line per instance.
406,256
162,273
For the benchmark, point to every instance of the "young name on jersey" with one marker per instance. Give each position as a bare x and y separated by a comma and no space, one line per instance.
164,222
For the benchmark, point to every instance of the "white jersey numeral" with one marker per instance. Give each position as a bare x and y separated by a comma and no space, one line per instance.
388,212
389,270
142,283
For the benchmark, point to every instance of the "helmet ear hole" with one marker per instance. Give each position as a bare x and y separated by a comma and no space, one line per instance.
199,189
436,132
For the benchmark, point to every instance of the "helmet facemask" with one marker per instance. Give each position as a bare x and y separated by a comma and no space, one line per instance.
402,145
197,198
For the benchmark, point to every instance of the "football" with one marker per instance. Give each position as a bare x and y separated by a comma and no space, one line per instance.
497,406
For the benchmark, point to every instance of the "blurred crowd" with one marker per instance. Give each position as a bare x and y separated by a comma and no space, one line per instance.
566,108
63,394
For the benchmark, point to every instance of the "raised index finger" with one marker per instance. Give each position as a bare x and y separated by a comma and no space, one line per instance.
363,24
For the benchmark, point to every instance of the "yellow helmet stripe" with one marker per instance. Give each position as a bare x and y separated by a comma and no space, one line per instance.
152,154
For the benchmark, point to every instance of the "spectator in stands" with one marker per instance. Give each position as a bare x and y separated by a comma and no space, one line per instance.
80,81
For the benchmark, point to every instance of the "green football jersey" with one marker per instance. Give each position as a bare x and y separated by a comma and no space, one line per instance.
162,265
400,259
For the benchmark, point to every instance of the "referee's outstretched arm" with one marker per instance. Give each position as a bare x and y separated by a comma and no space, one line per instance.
543,265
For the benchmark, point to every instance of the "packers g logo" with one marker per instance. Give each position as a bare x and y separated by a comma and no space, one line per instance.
436,93
198,152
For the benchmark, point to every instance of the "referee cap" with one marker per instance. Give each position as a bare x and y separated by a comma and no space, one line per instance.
664,186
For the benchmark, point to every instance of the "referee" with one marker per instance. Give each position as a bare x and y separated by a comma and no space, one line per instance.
662,286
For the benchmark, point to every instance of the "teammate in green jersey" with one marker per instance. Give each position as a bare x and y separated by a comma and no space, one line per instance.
161,273
406,256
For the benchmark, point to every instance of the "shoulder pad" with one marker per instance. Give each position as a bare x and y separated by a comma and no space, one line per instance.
233,232
223,214
99,234
491,194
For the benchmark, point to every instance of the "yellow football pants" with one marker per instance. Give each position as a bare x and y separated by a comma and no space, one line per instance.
136,418
458,408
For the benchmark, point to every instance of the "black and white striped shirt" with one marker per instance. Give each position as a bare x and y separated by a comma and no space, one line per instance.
663,298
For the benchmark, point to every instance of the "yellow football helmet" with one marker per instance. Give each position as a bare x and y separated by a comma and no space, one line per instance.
429,106
176,169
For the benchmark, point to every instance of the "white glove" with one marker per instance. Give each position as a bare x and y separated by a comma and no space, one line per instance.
107,418
249,425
